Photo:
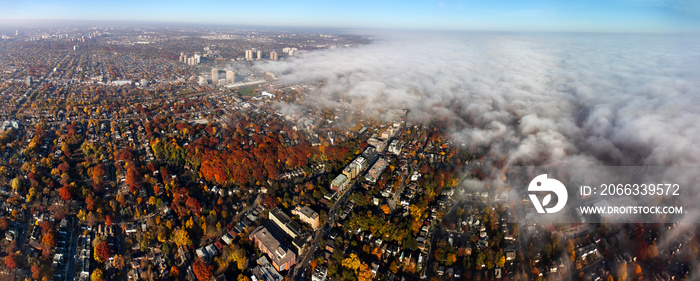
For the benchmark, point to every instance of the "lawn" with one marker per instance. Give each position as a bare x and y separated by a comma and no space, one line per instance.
247,91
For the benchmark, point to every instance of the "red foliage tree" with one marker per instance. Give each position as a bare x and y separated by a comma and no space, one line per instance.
151,167
32,176
4,223
98,174
11,261
90,202
125,154
108,220
64,192
165,174
103,251
132,179
193,204
36,272
270,202
202,270
63,168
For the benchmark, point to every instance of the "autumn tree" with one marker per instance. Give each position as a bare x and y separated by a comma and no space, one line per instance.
122,201
64,192
90,203
313,264
637,270
125,154
11,261
270,201
386,209
98,173
202,270
63,168
103,252
65,180
480,258
31,193
4,222
500,260
239,256
351,262
181,238
393,267
132,179
46,227
193,204
622,271
364,273
47,243
97,275
119,262
36,272
174,273
16,184
570,249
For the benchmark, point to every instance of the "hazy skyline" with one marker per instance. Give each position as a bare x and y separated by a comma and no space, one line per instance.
587,16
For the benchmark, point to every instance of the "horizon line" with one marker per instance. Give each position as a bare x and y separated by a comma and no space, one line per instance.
154,23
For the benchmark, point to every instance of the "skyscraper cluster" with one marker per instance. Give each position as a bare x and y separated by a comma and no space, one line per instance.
193,60
253,54
222,77
290,51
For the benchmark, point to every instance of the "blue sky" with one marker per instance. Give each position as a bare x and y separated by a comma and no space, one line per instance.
503,15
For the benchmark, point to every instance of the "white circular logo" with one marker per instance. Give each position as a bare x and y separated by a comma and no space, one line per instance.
542,183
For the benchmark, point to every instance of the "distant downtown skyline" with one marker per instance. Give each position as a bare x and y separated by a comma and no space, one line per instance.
497,15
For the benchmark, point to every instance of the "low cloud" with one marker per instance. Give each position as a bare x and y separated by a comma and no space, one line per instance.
537,99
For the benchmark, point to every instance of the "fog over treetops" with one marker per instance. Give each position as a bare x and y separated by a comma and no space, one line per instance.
537,99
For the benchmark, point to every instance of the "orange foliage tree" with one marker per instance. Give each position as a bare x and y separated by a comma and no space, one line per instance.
64,192
11,261
202,270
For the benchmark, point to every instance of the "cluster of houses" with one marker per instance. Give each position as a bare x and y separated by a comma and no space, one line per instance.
64,236
153,255
212,250
84,255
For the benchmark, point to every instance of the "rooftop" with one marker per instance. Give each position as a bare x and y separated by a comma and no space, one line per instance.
308,212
